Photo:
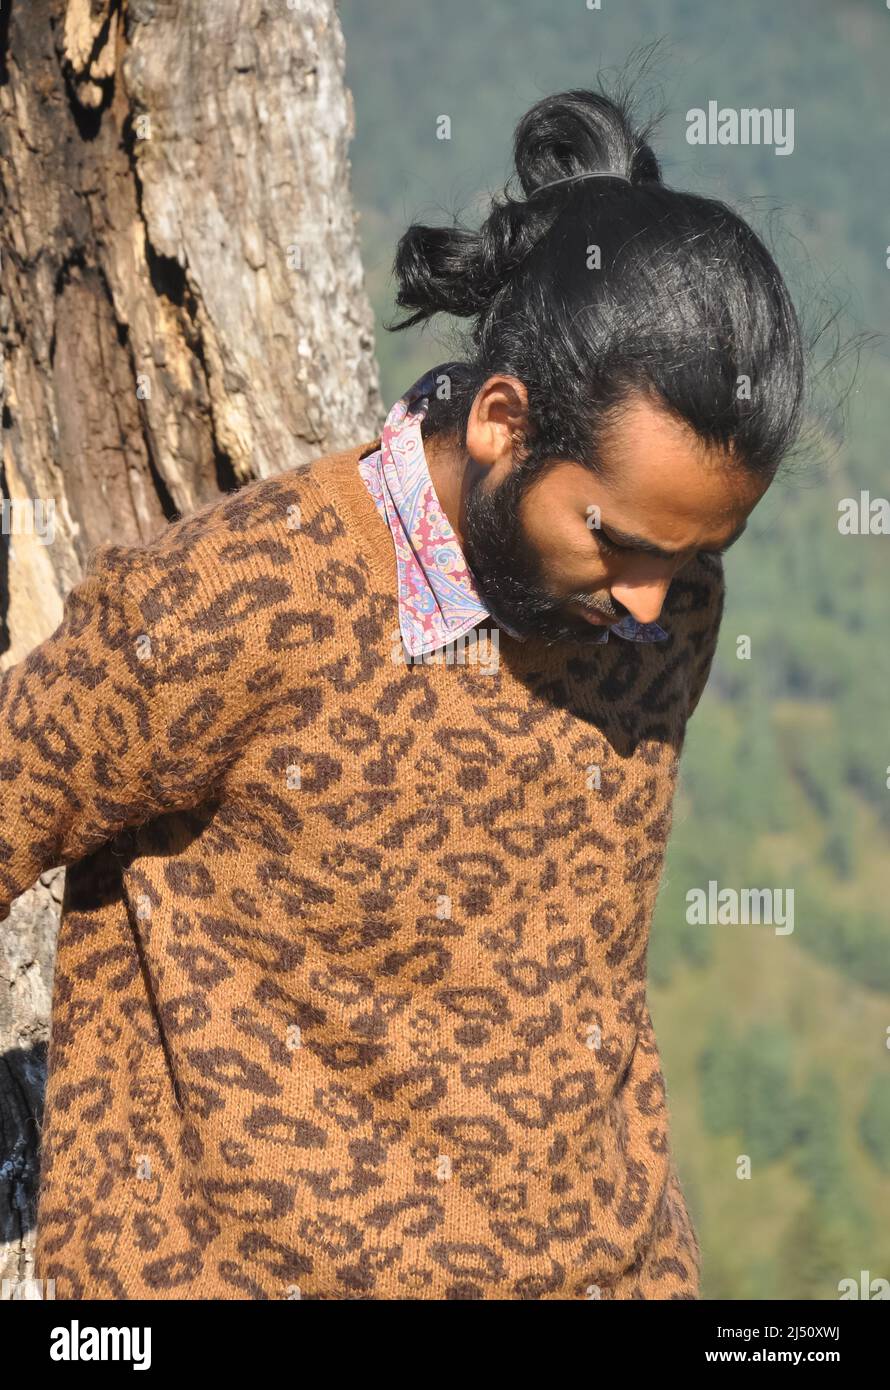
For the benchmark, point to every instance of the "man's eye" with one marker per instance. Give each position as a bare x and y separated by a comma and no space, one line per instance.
604,540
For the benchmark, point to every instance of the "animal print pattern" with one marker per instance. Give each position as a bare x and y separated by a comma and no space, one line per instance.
350,995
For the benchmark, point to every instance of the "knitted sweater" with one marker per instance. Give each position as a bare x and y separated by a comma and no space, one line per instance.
350,992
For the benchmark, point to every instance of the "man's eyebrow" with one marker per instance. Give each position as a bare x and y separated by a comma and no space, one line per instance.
631,542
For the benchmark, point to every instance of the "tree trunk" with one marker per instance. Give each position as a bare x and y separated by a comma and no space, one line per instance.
182,309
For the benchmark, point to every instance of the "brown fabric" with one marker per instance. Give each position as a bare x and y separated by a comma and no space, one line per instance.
279,1066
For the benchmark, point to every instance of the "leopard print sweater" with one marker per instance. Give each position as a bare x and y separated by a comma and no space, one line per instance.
350,993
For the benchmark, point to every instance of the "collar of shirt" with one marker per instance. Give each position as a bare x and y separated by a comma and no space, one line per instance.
437,598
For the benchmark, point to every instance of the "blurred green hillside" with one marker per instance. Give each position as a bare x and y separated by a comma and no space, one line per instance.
774,1046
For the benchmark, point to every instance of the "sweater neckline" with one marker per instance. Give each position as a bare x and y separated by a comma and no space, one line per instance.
344,487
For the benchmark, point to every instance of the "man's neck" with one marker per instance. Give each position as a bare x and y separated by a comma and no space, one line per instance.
453,473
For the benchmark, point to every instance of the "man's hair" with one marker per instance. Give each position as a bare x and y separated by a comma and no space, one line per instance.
687,305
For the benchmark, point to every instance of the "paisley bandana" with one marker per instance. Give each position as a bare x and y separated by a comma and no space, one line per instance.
438,600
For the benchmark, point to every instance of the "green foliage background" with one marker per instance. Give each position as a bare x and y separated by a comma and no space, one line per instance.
774,1047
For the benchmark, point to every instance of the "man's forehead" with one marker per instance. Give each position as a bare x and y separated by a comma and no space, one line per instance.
642,432
658,489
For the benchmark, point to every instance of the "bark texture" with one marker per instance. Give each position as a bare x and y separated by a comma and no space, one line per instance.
182,309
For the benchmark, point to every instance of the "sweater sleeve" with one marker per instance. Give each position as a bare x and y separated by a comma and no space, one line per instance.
129,709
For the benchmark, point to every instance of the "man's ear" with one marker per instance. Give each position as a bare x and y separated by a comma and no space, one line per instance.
486,441
496,427
520,443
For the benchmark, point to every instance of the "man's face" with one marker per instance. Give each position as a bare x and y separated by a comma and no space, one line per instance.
569,553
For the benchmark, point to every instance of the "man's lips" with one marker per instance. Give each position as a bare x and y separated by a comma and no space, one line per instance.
597,619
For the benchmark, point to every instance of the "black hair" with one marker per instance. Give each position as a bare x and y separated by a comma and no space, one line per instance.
687,301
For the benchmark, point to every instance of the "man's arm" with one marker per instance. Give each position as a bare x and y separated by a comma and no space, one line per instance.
136,703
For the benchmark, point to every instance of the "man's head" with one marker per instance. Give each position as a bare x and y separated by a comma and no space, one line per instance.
551,540
634,348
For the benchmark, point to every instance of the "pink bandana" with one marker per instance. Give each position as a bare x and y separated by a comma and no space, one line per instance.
438,600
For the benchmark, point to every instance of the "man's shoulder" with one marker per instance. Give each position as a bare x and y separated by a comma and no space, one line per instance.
260,511
693,613
695,598
252,539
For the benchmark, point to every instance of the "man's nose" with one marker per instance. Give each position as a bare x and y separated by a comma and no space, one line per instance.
643,600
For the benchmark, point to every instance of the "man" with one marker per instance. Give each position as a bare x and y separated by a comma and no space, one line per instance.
355,1005
365,775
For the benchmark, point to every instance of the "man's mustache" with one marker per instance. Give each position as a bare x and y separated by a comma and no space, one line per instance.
605,610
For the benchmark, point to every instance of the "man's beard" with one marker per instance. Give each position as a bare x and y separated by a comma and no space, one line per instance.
507,571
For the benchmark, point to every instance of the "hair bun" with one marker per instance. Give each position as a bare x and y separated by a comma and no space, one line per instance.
580,132
459,270
579,178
